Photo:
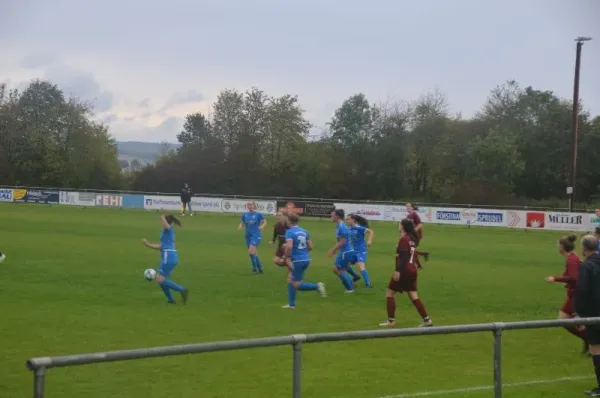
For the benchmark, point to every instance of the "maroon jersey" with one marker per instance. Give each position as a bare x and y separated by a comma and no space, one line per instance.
414,217
279,231
406,259
570,274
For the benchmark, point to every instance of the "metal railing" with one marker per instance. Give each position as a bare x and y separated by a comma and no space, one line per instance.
309,199
39,366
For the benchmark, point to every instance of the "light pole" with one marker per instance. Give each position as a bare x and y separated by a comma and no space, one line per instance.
575,122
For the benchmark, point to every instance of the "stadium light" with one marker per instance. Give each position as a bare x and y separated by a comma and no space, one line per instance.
575,123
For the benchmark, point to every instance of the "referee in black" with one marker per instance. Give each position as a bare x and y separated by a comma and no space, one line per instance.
186,199
587,300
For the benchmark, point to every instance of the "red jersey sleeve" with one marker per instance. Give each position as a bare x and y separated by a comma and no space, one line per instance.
571,270
415,218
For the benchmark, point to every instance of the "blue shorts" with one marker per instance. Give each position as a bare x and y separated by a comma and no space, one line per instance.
344,260
298,270
170,259
253,240
361,257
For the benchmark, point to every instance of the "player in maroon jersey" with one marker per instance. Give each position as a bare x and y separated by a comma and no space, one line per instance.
404,278
566,247
279,231
413,215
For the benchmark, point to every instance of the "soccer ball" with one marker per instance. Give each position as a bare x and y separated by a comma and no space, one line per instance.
149,274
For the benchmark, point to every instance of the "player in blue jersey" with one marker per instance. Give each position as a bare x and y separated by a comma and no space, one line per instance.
254,222
297,254
346,255
359,227
169,258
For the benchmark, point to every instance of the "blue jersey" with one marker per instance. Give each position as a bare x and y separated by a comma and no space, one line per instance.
357,238
167,239
300,238
252,221
343,232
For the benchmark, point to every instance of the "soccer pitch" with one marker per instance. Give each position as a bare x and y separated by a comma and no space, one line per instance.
72,283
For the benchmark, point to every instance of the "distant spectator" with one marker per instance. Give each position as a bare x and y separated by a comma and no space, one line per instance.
186,199
587,300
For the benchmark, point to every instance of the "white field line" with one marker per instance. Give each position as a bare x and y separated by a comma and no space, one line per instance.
486,388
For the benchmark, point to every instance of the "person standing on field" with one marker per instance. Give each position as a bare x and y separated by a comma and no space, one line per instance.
186,199
587,301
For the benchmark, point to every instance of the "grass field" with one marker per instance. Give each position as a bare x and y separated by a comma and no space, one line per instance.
73,283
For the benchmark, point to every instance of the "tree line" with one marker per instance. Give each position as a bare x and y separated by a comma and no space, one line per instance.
515,150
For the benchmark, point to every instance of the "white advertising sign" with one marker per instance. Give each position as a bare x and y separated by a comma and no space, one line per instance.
108,200
6,195
239,206
77,198
397,213
481,217
370,212
568,221
152,202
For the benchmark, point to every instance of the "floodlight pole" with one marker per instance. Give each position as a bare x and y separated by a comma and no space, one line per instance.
575,122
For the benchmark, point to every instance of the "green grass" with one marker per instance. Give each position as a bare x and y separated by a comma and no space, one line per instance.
73,283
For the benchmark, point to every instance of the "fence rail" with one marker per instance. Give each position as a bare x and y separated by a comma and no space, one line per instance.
309,199
39,366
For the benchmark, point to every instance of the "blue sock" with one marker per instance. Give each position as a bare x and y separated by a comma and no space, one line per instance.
253,261
365,275
346,281
167,292
291,295
258,264
307,286
172,285
352,272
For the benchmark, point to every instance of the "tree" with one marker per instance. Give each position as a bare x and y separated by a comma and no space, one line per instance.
197,132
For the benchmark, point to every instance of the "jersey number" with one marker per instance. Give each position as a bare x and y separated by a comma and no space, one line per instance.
412,255
302,242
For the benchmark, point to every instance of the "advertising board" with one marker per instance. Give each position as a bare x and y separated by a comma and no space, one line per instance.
240,206
307,209
6,195
41,196
71,198
155,202
108,200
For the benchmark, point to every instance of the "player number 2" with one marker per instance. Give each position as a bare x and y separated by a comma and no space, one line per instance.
301,242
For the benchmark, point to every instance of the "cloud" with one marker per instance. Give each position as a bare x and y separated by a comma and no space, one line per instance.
183,98
34,61
80,84
145,103
132,130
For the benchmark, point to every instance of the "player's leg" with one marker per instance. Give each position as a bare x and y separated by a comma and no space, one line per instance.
414,298
353,274
362,261
390,303
251,252
163,272
168,284
339,268
594,340
189,204
567,311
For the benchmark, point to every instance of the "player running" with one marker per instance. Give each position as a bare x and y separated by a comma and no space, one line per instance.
566,247
297,251
346,254
169,258
279,231
254,222
413,215
359,227
404,278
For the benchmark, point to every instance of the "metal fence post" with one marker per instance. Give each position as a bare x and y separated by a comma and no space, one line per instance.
299,339
39,376
498,359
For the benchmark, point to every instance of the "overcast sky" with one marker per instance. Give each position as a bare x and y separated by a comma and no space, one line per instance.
147,63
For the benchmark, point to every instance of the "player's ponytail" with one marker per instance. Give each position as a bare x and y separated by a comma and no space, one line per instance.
172,219
360,220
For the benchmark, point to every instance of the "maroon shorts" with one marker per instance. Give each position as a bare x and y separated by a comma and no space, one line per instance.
407,283
568,306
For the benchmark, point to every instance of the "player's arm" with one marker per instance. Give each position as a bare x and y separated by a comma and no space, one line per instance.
164,222
419,227
370,236
242,222
341,242
155,246
570,276
402,261
263,222
289,244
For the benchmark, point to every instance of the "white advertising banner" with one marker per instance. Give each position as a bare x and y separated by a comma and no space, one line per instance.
370,212
240,206
152,202
6,195
481,217
77,198
397,213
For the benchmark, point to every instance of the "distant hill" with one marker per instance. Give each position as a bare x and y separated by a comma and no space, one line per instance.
144,152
